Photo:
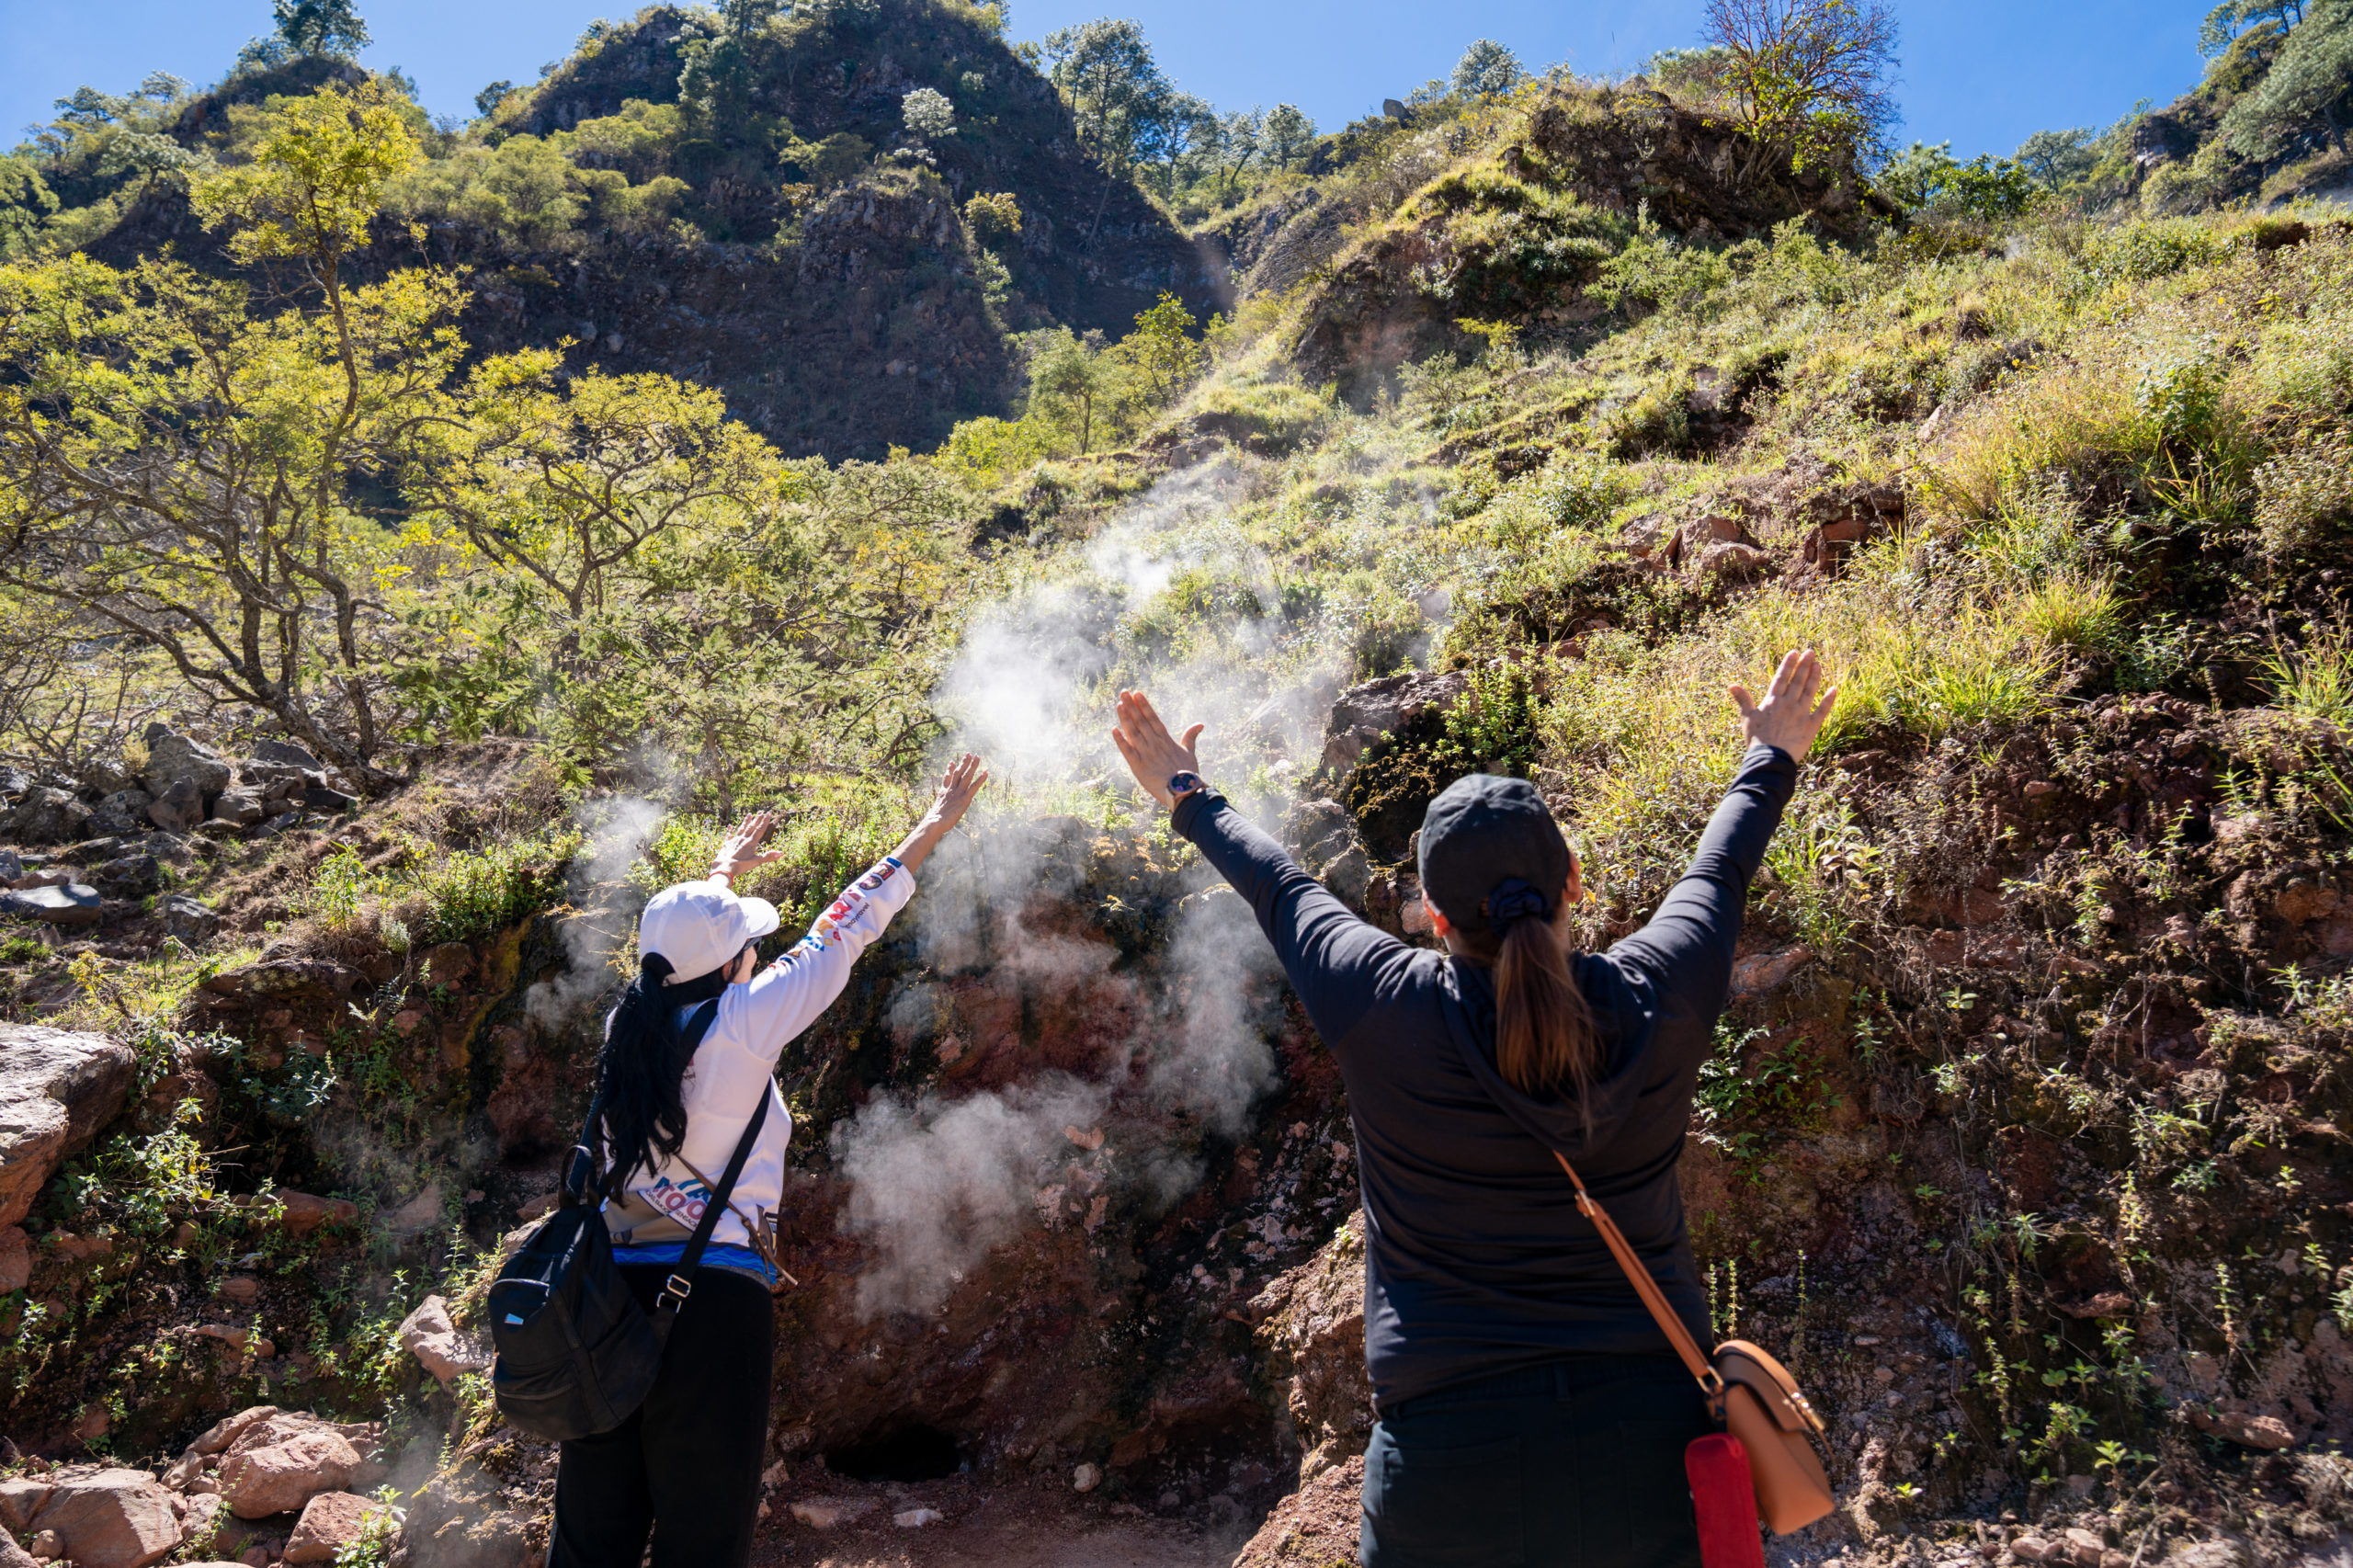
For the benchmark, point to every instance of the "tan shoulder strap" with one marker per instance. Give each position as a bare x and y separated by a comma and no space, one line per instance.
1646,1288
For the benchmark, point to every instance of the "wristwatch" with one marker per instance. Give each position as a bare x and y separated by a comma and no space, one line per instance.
1181,784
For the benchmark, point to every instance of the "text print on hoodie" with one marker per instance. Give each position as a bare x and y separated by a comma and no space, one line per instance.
735,1064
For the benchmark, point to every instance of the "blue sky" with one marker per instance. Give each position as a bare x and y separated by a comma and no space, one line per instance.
1984,73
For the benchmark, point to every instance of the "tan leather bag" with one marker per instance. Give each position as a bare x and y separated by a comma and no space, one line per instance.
1750,1393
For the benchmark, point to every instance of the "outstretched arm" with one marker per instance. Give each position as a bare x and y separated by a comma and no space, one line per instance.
1687,945
1334,960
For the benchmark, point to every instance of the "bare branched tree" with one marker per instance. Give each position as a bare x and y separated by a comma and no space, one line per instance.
1809,80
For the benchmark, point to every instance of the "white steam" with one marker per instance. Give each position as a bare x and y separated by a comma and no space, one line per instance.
619,828
1180,1039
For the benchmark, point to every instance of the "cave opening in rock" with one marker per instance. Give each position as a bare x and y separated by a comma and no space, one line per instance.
903,1450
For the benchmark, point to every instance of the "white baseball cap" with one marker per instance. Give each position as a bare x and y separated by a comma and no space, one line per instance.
700,925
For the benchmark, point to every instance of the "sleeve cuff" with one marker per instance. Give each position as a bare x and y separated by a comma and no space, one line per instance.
1190,808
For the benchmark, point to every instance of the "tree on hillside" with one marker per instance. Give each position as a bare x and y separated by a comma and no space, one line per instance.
927,114
1238,142
1809,80
2055,158
2232,18
2309,86
321,27
491,96
26,202
184,475
1928,181
1162,351
1485,69
1074,386
1184,127
1104,70
1291,135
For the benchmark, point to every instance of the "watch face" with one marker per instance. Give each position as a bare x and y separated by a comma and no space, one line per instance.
1184,783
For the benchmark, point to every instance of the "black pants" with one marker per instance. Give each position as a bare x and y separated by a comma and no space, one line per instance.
1577,1463
686,1465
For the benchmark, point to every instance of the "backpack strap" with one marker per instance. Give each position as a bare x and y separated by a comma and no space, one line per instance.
1712,1383
681,1284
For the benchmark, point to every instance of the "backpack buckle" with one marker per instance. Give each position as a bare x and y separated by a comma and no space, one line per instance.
675,1292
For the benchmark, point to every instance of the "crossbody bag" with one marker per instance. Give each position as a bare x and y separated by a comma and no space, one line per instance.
576,1354
1751,1394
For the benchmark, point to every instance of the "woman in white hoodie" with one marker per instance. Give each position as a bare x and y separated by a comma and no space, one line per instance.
685,1468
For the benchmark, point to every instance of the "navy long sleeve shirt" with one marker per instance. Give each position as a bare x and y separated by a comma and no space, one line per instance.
1476,1259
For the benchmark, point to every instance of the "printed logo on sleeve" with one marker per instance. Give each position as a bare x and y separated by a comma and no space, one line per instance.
828,930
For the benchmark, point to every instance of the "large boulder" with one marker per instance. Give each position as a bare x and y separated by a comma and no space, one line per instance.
44,815
331,1521
242,805
1365,713
277,1465
71,904
111,1518
172,757
123,811
56,1091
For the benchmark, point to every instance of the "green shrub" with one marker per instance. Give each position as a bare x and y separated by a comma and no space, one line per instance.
469,895
2315,681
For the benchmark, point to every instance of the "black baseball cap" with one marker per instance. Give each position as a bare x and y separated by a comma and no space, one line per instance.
1481,832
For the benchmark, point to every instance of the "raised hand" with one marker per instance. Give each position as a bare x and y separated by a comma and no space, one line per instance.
958,787
739,851
1789,717
1152,754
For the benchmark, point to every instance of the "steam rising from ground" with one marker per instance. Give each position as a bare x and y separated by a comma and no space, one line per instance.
937,1184
619,829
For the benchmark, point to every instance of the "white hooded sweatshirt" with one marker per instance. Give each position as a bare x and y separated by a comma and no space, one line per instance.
735,1064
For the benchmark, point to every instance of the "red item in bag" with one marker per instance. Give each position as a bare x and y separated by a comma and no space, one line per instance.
1724,1500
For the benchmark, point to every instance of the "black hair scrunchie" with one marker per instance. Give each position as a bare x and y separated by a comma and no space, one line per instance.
1515,900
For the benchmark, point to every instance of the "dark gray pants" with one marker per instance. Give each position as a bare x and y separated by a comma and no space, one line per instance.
1576,1463
685,1467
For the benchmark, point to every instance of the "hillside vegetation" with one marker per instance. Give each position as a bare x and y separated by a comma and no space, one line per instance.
368,656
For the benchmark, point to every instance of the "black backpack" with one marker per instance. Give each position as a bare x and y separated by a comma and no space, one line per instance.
576,1354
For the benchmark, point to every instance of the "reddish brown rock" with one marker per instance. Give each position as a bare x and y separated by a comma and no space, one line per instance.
1312,1329
112,1519
15,1259
280,1477
305,1213
56,1090
330,1521
226,1430
1315,1524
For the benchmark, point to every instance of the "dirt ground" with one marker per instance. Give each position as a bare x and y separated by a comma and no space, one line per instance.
991,1528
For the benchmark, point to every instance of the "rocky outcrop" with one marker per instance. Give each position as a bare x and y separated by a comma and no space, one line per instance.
46,816
264,1462
56,1091
175,759
1363,714
1311,1332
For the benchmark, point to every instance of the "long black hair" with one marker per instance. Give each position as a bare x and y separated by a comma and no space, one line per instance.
644,1066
